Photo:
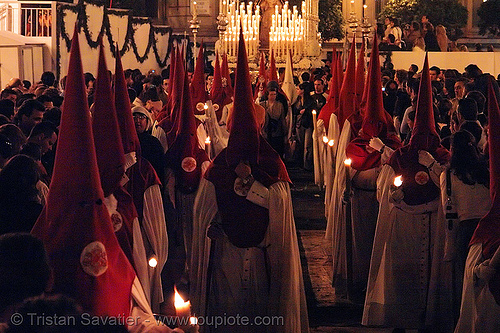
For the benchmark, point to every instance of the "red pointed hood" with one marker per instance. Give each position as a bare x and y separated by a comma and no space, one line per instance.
332,102
170,124
244,222
245,142
226,78
273,72
424,135
347,99
262,78
165,111
184,156
376,122
130,141
360,73
217,93
418,188
75,226
197,85
108,144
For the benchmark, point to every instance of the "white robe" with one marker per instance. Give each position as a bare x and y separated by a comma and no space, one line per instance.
409,284
281,293
479,312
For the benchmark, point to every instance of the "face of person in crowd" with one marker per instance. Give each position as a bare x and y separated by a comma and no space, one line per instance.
434,75
141,122
165,84
47,143
210,80
319,87
300,92
387,22
35,118
425,19
12,97
459,89
271,96
48,105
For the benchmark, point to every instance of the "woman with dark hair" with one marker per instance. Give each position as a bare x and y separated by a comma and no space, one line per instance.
429,34
20,202
274,130
465,198
302,112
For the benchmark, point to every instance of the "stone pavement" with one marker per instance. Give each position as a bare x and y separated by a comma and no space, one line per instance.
325,315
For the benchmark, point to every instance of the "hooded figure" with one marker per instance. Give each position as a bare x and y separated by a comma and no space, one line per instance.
188,162
334,169
409,285
480,310
353,244
119,203
245,256
75,227
144,187
321,127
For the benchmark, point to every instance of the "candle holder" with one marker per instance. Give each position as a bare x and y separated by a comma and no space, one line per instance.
222,23
194,25
365,28
352,20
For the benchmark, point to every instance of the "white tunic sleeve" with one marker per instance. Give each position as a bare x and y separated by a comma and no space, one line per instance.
155,228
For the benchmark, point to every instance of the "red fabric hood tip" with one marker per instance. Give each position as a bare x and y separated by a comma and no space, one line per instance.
347,96
218,92
128,134
108,144
197,86
75,227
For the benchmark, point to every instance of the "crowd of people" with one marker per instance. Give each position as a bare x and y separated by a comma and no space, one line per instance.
178,181
419,36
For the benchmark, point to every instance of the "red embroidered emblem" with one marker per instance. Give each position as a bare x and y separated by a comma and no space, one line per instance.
188,164
94,259
421,178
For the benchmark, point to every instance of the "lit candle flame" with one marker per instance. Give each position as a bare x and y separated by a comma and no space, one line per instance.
313,111
179,302
153,261
325,139
205,106
398,181
207,140
330,143
347,162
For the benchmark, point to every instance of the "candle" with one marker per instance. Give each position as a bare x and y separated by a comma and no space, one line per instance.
182,308
347,163
325,139
207,146
195,11
398,181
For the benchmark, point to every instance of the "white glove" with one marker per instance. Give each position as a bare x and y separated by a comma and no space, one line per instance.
396,194
425,158
484,271
376,143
